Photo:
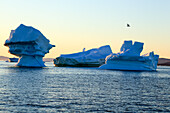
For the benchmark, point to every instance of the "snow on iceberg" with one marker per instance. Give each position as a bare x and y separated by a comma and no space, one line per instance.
90,58
29,44
129,58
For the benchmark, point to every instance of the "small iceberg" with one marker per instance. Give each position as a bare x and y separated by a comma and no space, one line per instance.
129,59
90,58
29,44
12,60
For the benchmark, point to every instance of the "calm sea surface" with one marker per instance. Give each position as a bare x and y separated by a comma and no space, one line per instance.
63,89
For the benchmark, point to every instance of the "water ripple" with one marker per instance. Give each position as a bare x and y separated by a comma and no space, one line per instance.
56,89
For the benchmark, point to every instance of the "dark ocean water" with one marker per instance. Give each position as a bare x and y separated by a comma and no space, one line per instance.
63,89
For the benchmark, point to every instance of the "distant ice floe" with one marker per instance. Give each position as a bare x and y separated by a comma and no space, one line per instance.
90,58
29,44
12,60
129,58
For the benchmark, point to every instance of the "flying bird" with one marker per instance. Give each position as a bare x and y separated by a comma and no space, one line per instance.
128,25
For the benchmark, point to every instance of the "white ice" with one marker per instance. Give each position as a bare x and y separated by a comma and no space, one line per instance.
129,58
29,44
92,57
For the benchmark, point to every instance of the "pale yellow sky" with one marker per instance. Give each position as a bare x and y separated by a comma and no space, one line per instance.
77,24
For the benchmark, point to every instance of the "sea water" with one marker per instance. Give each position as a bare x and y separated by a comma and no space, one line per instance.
66,89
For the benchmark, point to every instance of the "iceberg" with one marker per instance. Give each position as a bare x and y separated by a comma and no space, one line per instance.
129,58
29,44
12,60
90,58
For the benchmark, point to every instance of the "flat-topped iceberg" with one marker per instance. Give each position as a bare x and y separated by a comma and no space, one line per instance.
129,58
29,44
90,58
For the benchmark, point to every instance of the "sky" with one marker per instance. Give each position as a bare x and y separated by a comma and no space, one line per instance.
72,25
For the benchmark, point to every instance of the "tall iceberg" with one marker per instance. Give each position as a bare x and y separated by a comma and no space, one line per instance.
90,58
129,58
29,44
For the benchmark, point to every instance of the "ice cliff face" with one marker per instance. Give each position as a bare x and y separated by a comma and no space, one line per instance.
29,44
126,45
129,58
90,58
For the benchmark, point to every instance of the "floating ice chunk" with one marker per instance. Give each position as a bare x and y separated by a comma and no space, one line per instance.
130,59
90,58
29,44
12,60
